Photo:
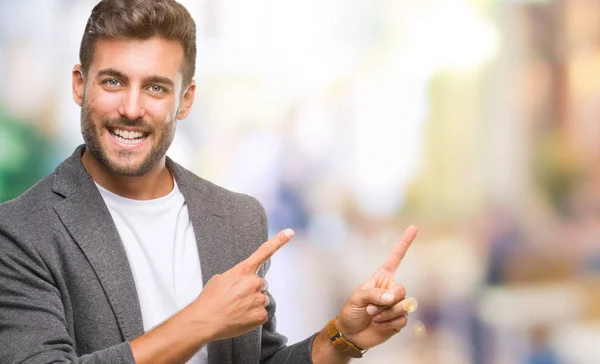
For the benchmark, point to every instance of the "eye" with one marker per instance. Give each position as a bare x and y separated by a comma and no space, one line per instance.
156,89
112,82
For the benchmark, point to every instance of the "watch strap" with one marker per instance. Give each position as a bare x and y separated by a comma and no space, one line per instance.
341,343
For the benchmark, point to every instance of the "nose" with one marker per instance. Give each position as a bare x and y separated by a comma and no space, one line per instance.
131,106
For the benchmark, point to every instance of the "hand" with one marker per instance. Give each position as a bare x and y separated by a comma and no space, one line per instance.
234,302
377,309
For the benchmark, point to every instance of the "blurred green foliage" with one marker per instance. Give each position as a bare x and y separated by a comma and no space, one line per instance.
26,156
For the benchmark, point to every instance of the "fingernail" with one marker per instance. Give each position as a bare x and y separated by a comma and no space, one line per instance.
377,317
387,297
371,310
288,232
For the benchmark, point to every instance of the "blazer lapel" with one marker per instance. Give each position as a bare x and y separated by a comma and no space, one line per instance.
213,236
86,217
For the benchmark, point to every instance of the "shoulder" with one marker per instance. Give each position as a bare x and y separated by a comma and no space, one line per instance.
241,207
28,225
231,203
30,208
244,213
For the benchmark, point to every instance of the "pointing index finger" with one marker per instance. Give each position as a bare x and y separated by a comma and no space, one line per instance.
268,248
399,250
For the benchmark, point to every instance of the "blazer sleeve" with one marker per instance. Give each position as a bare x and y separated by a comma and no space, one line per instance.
33,327
273,345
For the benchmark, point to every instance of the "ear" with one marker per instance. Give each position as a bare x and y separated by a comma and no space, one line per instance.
78,84
187,100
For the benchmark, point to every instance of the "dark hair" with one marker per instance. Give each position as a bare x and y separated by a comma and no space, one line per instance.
142,19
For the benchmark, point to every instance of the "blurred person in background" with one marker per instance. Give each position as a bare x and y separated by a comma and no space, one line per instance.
121,255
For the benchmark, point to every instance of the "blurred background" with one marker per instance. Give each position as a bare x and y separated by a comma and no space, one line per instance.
352,119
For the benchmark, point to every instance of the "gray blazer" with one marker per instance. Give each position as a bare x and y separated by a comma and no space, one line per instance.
67,293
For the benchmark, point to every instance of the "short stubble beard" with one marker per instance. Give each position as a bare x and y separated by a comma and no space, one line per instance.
91,137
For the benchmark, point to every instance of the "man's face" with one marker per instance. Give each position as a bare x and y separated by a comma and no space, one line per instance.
130,102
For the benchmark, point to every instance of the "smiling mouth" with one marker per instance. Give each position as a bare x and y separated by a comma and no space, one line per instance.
128,137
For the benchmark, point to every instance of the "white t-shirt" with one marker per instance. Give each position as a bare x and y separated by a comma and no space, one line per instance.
161,247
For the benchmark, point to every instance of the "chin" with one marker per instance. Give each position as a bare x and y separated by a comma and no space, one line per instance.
130,170
124,165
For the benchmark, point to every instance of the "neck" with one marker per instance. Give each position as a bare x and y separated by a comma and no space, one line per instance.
156,183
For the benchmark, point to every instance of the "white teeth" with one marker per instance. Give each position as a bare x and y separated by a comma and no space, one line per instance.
128,141
128,134
128,137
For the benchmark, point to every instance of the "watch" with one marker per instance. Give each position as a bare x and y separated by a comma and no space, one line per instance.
341,343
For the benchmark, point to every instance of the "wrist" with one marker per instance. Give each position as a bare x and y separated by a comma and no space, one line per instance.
199,325
339,325
323,351
172,341
342,342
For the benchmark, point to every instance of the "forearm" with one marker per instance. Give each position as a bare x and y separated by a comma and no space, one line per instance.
174,341
323,351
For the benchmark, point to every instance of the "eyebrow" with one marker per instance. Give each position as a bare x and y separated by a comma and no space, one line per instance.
151,79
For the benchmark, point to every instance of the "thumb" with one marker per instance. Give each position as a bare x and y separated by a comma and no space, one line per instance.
375,296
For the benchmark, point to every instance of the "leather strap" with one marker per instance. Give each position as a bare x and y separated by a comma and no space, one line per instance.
341,344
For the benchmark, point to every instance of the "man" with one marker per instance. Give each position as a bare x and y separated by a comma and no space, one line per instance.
123,256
